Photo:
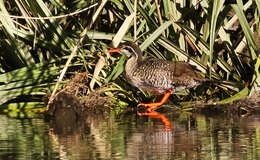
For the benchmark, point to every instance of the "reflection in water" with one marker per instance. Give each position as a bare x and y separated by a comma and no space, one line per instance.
162,117
130,136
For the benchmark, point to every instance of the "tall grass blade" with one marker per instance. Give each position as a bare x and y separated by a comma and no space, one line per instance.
155,35
217,6
246,29
256,78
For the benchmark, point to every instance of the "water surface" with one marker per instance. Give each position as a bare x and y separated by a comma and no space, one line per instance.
129,136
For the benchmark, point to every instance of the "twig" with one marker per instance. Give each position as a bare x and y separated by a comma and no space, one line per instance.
135,6
51,17
187,38
159,14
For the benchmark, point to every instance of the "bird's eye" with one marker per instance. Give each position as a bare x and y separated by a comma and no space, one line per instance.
129,49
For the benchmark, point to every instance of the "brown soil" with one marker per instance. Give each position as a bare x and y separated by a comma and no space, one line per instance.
74,100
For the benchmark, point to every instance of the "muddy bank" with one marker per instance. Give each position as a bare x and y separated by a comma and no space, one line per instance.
245,106
76,97
75,102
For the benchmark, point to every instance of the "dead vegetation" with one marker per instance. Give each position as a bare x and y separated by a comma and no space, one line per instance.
76,99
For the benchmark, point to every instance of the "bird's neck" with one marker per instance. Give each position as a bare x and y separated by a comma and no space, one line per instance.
132,63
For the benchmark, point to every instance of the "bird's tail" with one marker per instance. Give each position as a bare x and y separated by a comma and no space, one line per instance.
227,84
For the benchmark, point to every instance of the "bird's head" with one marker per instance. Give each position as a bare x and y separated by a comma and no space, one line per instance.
128,48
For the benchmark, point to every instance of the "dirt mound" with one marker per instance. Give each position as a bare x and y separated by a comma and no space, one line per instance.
76,98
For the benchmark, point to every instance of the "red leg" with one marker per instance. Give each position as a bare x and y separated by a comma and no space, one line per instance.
154,114
153,106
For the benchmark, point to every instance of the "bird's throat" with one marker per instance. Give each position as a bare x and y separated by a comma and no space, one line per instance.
131,65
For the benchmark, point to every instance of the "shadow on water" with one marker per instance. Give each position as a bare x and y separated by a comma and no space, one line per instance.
130,136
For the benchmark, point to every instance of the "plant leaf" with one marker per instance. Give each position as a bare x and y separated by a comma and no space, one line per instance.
155,35
118,69
243,93
246,29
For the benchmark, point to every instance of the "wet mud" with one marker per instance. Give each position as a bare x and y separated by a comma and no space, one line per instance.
73,104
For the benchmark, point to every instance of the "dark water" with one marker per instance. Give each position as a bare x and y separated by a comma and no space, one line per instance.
129,136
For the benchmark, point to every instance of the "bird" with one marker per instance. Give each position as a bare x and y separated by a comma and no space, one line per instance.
158,76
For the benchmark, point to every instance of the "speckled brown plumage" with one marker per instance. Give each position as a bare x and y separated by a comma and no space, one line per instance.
158,76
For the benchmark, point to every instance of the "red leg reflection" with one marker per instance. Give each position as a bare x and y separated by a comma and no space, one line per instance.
157,115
